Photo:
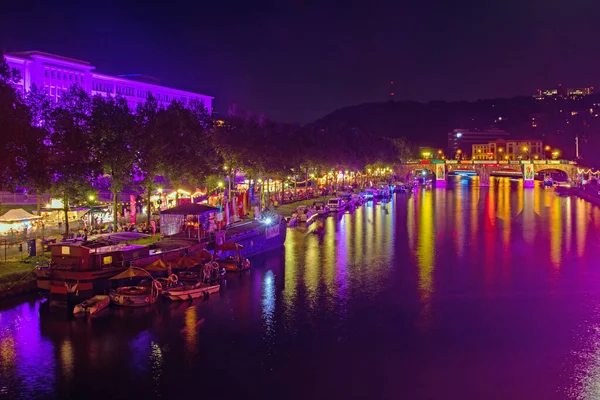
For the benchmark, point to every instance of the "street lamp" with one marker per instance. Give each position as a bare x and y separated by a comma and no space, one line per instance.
555,154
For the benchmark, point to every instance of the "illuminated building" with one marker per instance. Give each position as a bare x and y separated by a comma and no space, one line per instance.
562,92
462,139
57,73
514,149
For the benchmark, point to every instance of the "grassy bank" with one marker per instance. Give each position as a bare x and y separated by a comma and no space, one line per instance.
288,209
17,276
145,241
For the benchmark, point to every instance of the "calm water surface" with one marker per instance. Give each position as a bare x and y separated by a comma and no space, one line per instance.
458,293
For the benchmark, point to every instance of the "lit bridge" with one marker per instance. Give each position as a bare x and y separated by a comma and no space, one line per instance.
527,169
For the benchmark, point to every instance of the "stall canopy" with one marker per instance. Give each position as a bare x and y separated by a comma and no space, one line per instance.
189,209
18,215
173,219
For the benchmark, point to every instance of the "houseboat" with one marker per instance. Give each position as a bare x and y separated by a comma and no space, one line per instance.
80,269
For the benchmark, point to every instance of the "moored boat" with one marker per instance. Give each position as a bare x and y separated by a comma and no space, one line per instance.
133,296
234,262
190,291
91,306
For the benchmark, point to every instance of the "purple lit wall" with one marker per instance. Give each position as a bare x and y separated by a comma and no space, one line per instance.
57,73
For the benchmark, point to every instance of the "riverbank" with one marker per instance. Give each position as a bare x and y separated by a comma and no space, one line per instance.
17,277
286,210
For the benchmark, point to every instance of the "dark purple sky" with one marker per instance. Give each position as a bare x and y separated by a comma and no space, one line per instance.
299,60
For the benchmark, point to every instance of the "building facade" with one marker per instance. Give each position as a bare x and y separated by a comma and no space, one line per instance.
563,92
57,73
461,140
514,149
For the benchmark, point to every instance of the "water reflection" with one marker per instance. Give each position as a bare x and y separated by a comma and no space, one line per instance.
425,256
444,286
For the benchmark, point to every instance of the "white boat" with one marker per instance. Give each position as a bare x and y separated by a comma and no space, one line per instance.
91,306
370,193
190,292
336,204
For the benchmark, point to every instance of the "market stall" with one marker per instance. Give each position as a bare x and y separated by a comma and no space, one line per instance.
189,220
18,220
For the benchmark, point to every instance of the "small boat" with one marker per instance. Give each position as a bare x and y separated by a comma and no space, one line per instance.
320,207
336,204
91,306
134,296
235,262
190,291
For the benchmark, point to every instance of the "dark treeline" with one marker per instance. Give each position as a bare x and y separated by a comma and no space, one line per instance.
80,144
555,120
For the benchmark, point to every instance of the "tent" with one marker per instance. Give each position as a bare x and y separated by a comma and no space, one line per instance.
230,246
18,215
201,256
173,219
156,266
131,273
185,262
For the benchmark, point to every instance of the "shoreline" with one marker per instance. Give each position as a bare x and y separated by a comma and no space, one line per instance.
24,283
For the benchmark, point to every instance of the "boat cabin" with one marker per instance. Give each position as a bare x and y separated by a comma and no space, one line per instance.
78,255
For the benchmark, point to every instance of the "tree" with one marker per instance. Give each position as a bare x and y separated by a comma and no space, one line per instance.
71,159
113,144
189,154
14,125
37,173
150,147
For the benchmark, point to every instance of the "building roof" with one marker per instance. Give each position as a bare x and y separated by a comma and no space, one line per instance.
189,209
31,53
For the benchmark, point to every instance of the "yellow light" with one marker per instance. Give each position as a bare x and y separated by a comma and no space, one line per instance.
525,148
48,205
225,168
426,154
369,170
91,197
547,148
555,153
220,184
459,151
439,152
312,175
479,150
500,150
346,171
506,157
536,157
260,181
160,190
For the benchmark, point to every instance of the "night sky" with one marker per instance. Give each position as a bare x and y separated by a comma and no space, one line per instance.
299,60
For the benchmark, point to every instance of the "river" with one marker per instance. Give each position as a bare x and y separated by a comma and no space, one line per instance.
457,293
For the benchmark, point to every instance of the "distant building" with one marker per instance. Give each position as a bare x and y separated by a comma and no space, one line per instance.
513,149
57,73
563,92
460,140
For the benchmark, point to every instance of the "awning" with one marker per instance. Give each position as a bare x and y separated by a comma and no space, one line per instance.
189,209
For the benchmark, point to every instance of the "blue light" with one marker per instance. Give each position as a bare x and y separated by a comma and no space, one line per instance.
459,135
268,220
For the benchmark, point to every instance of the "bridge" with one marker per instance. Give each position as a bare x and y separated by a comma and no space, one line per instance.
485,168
